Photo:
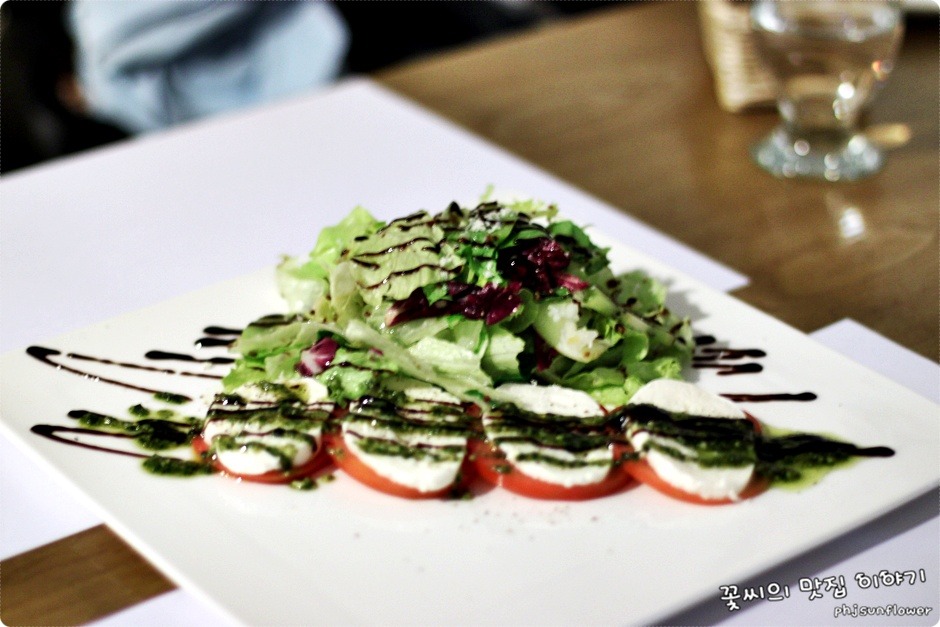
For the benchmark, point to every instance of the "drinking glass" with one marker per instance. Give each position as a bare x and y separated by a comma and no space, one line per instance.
829,58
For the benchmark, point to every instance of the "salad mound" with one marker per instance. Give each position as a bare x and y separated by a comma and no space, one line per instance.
464,300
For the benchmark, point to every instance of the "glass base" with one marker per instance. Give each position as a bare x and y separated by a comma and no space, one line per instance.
823,158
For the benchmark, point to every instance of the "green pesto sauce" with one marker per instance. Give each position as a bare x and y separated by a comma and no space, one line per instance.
576,435
273,423
405,417
786,458
786,466
279,394
510,412
296,413
398,425
800,478
304,484
229,400
709,455
398,403
282,393
95,420
139,410
309,483
169,397
572,442
376,446
158,435
502,469
155,434
548,460
172,466
709,442
284,454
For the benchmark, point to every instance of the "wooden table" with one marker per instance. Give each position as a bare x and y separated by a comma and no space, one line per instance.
620,103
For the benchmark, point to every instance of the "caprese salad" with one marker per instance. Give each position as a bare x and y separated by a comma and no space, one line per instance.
493,345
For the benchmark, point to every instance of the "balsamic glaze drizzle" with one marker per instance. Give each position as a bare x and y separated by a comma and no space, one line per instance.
211,342
48,352
52,432
45,355
168,356
763,398
217,330
729,369
708,356
709,353
217,336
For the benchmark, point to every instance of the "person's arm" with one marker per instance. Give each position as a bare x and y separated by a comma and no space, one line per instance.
150,64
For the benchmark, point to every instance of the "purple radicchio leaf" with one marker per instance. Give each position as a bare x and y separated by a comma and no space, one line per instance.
490,303
415,307
539,264
571,282
318,357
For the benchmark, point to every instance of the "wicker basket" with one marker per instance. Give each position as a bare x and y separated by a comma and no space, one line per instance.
741,79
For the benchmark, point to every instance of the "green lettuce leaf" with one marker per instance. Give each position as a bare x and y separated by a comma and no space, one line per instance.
304,283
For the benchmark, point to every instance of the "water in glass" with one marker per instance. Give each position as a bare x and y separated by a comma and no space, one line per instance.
829,57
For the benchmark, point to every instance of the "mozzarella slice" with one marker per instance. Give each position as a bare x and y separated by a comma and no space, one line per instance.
549,399
427,473
254,442
259,453
550,464
430,394
426,457
682,397
713,482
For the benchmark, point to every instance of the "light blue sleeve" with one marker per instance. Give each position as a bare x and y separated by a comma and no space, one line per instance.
148,64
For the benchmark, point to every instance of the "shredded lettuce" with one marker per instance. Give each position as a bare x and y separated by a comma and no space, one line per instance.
305,283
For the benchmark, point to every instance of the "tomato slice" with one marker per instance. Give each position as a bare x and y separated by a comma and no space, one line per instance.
319,462
493,467
350,463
